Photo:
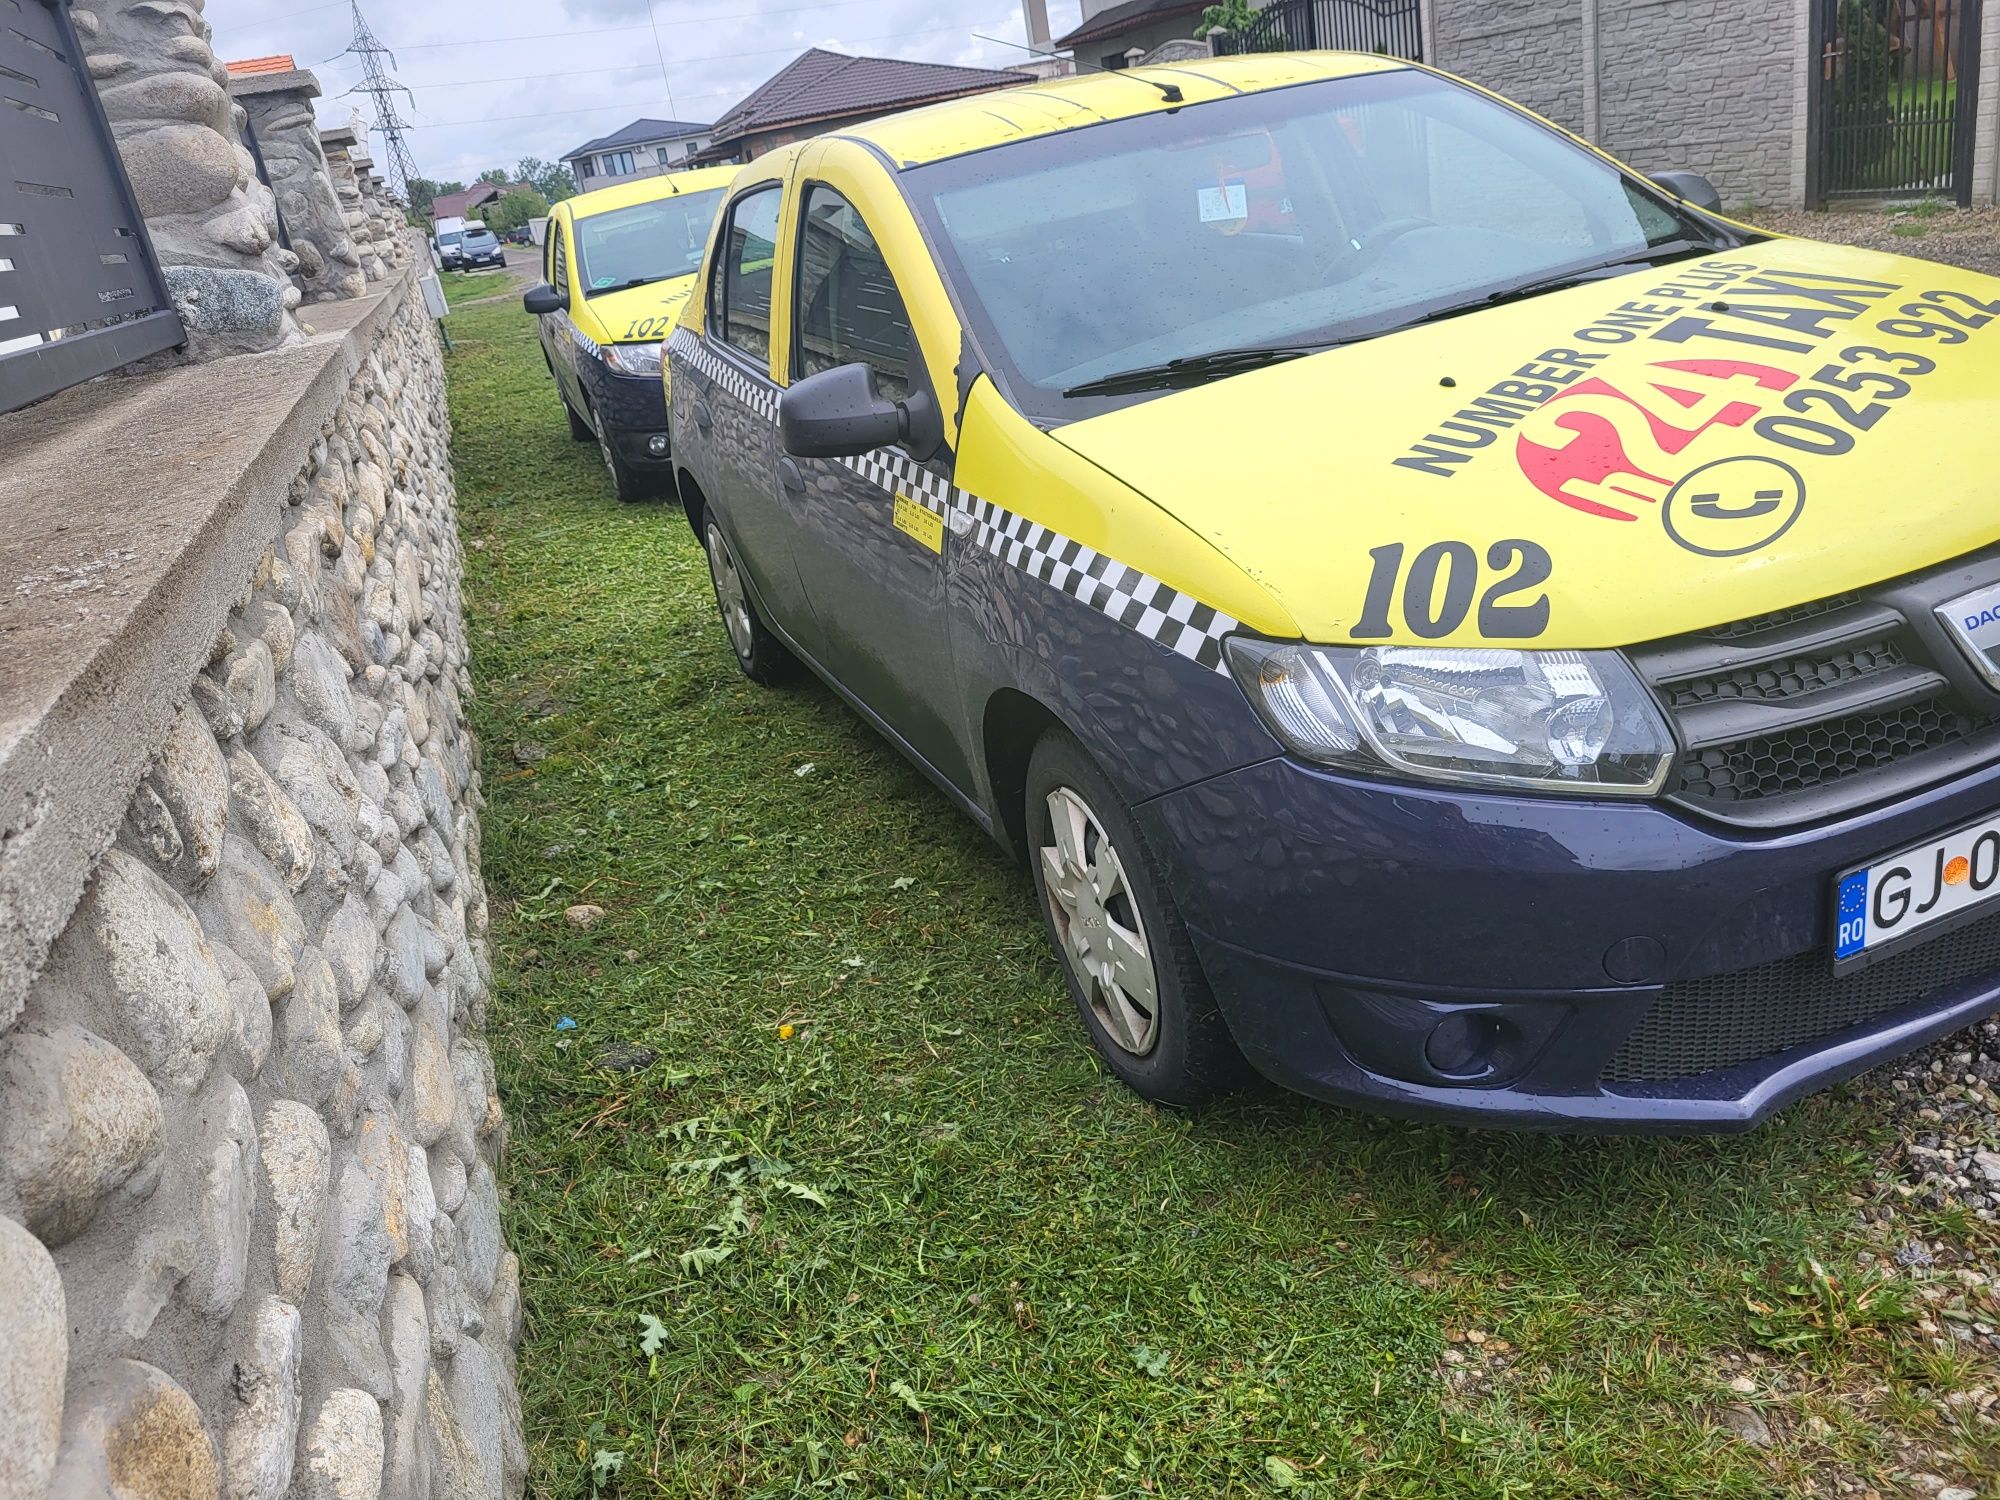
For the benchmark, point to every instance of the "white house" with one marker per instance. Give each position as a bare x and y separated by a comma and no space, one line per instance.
645,148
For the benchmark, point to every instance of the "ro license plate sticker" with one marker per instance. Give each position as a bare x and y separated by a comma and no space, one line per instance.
1893,899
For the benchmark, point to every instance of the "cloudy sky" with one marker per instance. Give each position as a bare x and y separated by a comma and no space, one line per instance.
514,78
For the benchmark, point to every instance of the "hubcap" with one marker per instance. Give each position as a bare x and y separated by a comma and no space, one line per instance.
1096,918
729,595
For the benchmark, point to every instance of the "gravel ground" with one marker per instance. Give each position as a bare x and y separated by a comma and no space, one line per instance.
1958,237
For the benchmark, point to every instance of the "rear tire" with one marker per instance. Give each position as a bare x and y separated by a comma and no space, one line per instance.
762,656
1124,950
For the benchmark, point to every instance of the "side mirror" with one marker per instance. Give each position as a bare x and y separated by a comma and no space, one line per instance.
1692,188
543,298
840,413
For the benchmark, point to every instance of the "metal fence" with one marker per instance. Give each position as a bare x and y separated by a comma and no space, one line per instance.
1894,98
1391,27
80,287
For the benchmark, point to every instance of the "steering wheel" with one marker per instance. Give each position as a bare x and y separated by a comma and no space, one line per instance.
1378,239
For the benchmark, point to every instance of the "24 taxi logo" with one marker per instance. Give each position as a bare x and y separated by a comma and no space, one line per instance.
1771,365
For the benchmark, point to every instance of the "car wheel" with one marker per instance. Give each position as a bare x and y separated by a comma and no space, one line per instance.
1124,949
628,483
760,654
579,430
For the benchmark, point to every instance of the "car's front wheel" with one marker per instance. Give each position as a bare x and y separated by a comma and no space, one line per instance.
1124,949
629,484
760,654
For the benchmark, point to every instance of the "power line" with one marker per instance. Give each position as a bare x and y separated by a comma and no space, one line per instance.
460,83
546,36
375,81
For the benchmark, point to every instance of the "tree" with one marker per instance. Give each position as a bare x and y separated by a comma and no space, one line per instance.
549,178
424,192
514,210
495,175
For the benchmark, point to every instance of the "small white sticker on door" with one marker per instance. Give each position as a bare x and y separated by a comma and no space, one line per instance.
1221,203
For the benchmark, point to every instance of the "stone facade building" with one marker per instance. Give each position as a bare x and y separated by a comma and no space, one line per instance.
1718,87
250,1227
1712,86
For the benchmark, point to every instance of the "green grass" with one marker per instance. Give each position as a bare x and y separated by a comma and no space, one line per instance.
826,1128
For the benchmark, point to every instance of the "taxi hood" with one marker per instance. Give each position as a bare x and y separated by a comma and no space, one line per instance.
1633,458
639,315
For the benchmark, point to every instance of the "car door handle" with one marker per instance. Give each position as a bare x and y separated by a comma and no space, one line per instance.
790,477
703,417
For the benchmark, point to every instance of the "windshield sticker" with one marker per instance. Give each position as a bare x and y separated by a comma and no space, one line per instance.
599,283
1757,369
1221,204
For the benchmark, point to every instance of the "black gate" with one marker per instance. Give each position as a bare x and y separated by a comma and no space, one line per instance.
80,290
1894,98
1392,27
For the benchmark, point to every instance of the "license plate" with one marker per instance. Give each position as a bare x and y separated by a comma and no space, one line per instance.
1916,894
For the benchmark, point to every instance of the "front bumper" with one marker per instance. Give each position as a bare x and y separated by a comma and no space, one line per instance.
631,412
1343,923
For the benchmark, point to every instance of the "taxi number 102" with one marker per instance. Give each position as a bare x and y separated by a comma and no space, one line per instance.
1442,582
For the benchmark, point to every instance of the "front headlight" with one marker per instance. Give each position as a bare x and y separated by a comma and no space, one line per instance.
633,359
1557,721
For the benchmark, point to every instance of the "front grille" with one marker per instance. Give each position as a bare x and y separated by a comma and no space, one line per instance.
1704,1024
1804,712
1788,677
1736,629
1771,766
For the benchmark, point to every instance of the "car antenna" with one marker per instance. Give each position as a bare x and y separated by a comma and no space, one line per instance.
1171,92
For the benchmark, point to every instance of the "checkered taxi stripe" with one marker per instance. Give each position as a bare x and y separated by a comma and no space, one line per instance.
584,341
1134,599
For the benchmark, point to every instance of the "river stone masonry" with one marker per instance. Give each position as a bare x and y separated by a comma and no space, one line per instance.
249,1221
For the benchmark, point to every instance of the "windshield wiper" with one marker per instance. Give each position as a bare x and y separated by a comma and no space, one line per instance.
624,286
1651,255
1193,369
1199,369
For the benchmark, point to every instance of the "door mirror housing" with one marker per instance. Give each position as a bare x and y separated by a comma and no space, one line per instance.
1691,188
841,413
543,298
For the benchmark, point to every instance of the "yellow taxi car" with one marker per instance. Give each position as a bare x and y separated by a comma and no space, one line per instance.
1445,618
616,266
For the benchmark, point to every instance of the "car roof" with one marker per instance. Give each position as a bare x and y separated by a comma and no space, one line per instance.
937,131
649,190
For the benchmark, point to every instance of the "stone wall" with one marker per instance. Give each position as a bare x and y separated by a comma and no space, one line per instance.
1529,50
249,1225
1709,86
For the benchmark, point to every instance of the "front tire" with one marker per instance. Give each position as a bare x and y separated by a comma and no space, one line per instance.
627,483
760,654
1124,950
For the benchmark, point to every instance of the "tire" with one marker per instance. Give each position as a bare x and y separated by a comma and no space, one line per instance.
762,656
579,430
1171,1047
627,483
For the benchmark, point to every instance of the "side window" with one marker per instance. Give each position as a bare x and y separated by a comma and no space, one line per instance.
748,251
849,309
558,257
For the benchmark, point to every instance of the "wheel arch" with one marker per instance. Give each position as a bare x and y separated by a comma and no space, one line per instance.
1010,729
694,504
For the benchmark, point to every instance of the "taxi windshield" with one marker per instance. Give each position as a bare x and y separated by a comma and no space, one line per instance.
1269,224
647,242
